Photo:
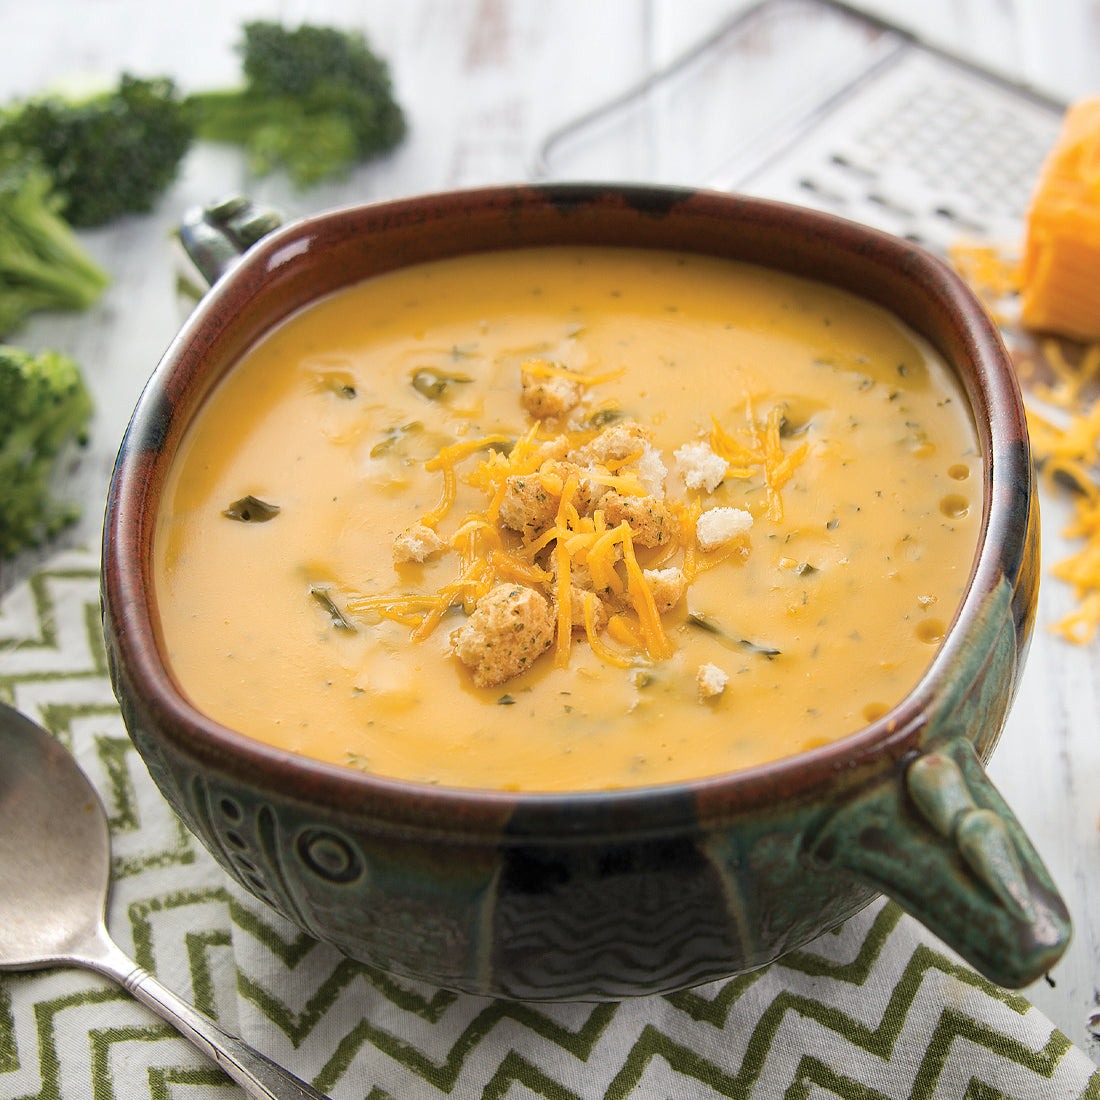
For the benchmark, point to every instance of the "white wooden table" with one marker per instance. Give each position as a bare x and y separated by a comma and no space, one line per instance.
483,82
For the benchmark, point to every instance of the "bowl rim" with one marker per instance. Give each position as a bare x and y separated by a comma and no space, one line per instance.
130,619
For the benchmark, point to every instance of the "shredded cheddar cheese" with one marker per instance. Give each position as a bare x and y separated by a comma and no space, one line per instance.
622,633
764,452
545,369
544,526
641,596
1071,380
1054,289
1069,453
993,273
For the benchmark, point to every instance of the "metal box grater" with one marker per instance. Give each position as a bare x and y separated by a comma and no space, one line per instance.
811,102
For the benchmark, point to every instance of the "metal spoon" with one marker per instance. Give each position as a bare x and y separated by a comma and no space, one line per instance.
54,871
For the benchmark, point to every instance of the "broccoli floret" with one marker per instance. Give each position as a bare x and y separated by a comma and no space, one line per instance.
44,406
316,101
42,264
113,154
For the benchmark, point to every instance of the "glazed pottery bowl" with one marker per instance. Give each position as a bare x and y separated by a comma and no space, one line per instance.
601,895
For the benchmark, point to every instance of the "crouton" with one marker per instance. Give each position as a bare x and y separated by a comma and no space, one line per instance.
699,466
626,449
581,582
577,594
667,586
649,519
615,444
548,396
511,627
527,506
717,526
554,477
711,681
530,502
416,543
579,574
551,450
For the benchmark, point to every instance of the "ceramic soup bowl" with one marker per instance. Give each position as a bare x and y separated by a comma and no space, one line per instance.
601,895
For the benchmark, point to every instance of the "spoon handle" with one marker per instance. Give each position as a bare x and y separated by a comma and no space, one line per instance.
260,1078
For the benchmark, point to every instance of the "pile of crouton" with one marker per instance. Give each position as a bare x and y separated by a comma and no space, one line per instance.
575,511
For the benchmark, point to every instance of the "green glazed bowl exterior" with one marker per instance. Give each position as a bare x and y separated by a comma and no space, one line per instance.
603,895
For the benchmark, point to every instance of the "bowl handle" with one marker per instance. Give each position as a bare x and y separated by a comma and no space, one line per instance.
216,236
945,846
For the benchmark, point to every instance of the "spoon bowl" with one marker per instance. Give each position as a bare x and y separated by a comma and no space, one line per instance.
52,902
55,863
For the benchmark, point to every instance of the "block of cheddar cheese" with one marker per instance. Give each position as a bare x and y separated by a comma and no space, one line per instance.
1061,269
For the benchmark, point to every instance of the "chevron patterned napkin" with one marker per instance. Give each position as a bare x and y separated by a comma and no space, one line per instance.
876,1009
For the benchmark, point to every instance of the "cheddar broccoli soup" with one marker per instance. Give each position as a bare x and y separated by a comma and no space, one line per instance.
568,518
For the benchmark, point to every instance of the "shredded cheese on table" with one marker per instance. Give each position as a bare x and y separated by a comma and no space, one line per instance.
1067,453
992,273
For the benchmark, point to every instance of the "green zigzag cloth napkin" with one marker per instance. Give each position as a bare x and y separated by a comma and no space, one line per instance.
876,1009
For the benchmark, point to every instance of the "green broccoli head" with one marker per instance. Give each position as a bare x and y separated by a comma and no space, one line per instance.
316,101
44,407
331,71
110,155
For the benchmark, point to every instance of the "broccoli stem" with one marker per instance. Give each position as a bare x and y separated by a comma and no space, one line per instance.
49,283
42,263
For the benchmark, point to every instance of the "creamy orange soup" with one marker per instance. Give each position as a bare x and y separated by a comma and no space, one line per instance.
568,518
